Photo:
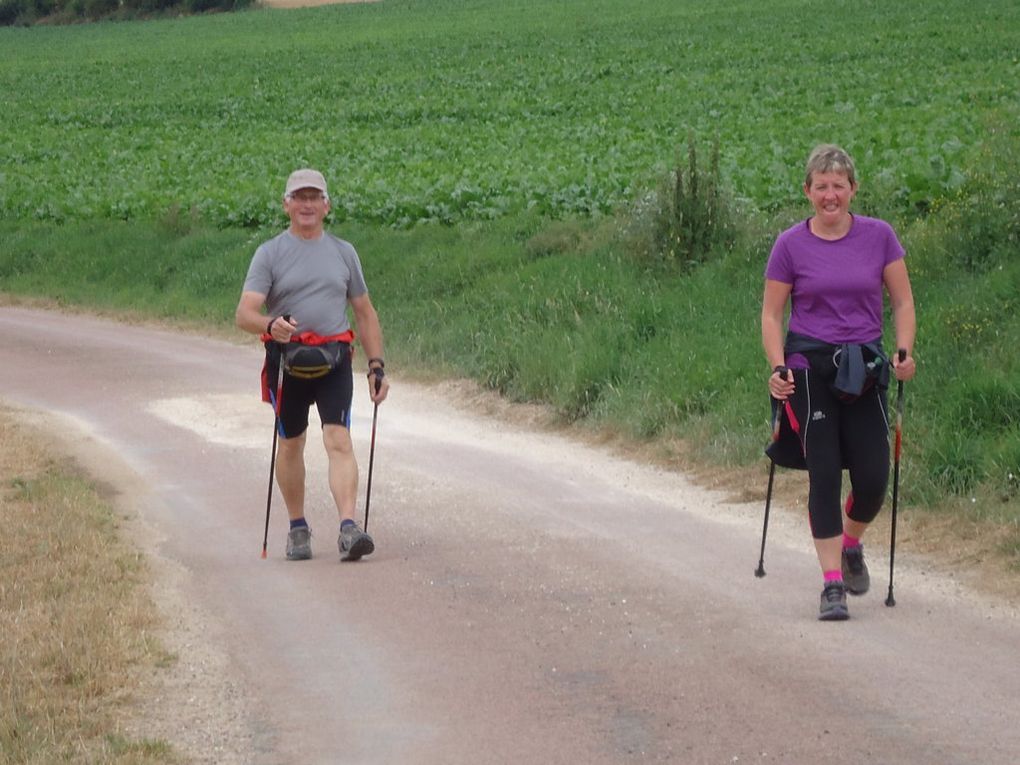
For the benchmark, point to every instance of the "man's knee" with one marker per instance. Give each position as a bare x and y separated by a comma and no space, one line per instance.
337,439
292,447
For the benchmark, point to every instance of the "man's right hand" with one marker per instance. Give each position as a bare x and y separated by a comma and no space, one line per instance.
282,328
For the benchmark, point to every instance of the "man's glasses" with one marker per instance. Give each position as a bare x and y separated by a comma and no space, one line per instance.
306,196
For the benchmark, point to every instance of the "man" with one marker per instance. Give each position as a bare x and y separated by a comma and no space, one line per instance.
305,278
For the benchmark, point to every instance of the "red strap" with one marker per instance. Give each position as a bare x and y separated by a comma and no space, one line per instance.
311,338
791,417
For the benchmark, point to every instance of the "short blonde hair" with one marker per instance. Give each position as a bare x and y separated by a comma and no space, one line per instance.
829,158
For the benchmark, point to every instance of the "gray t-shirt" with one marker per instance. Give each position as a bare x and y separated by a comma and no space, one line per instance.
310,280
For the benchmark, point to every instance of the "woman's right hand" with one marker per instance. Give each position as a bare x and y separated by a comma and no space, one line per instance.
781,383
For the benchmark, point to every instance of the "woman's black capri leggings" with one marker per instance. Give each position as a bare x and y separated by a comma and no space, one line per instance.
837,434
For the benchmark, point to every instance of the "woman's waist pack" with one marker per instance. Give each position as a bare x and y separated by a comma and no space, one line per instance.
857,366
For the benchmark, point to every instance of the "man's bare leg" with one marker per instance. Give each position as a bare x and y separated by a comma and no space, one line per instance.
290,474
343,469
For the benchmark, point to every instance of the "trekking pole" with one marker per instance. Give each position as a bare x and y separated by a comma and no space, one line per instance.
274,399
760,571
890,600
371,456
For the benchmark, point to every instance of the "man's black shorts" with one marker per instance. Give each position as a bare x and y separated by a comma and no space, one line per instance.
332,395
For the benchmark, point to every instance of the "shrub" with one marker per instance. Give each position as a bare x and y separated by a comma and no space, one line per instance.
149,6
11,11
98,9
42,8
689,218
200,6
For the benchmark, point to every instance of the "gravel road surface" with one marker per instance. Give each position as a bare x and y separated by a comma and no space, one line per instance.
531,600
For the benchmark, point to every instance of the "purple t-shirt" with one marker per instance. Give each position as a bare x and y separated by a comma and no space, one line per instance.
837,285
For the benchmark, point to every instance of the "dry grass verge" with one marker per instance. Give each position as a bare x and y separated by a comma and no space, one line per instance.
77,619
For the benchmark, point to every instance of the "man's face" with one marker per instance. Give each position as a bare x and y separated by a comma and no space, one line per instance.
306,208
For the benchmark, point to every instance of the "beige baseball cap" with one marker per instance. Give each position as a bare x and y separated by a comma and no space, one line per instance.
306,178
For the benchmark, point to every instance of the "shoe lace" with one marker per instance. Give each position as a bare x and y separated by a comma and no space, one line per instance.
833,592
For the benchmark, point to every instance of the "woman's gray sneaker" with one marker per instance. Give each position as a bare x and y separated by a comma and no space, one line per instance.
855,570
833,608
299,543
354,543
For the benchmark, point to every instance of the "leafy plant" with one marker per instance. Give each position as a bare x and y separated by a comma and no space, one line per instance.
445,111
693,218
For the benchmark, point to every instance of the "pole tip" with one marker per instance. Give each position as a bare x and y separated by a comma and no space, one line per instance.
890,601
263,555
759,572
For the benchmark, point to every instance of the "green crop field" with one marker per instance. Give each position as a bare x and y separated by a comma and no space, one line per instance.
499,165
443,110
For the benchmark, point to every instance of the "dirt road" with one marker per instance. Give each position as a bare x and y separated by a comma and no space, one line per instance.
531,599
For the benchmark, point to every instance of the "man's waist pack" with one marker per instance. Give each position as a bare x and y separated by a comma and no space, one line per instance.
311,361
308,356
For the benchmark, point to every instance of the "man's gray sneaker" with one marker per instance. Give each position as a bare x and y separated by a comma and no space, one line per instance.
833,607
299,543
353,542
855,570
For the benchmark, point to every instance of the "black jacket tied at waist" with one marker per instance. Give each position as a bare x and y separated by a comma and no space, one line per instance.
860,365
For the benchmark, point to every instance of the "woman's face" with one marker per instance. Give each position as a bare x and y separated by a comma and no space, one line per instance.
830,195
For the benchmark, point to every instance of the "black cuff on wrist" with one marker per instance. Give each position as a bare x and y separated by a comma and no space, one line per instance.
269,326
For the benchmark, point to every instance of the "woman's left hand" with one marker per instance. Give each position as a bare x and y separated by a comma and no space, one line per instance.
904,370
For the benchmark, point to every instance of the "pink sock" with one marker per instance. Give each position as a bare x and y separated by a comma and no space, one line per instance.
849,541
833,576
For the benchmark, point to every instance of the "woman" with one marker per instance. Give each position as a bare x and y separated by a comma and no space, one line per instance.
831,372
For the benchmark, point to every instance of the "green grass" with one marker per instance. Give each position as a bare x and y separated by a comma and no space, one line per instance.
143,164
445,110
